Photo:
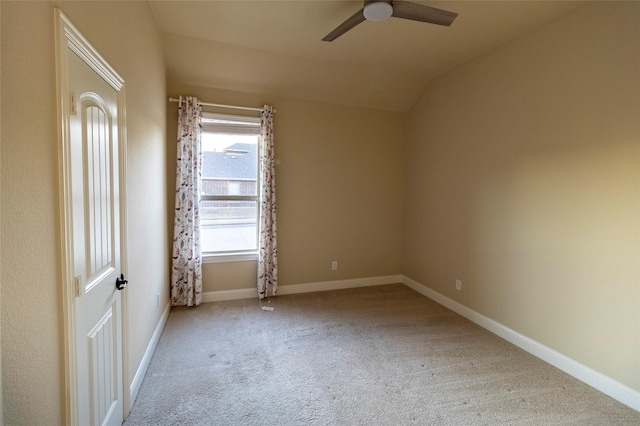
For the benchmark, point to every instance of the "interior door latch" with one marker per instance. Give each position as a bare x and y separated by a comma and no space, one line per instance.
121,283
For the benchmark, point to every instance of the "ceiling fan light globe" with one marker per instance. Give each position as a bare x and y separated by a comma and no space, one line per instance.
378,11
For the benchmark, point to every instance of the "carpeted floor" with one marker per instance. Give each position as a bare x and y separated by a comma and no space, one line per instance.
382,355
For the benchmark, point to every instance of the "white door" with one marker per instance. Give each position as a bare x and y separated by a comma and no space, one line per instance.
92,214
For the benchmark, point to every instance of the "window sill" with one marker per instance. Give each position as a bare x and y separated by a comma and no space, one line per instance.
231,257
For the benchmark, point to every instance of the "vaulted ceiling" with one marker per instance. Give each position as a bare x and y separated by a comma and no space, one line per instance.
276,47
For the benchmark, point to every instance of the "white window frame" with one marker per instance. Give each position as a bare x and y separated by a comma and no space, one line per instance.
234,125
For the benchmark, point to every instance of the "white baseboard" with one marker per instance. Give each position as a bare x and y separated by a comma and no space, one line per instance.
146,359
251,293
339,284
599,381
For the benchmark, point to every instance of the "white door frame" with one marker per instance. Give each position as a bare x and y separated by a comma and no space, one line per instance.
68,38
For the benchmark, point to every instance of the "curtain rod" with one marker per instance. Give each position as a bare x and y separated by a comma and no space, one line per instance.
222,105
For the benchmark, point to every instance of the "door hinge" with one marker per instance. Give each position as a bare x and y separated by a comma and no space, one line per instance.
77,280
74,110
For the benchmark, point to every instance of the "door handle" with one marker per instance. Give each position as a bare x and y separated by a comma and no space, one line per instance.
121,282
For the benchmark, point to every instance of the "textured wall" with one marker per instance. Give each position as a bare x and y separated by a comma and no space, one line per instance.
32,319
339,190
32,363
523,181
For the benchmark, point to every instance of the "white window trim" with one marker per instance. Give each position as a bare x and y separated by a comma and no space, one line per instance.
229,257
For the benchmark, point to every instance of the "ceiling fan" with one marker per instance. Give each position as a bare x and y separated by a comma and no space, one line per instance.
379,10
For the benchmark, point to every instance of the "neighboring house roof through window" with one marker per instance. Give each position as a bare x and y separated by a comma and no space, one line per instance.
237,161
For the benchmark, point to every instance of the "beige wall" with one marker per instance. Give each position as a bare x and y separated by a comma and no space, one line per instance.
523,181
339,190
32,319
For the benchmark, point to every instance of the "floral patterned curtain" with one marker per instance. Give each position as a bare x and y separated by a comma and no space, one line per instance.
186,268
267,243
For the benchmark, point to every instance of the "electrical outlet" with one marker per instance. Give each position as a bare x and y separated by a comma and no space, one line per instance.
334,265
459,285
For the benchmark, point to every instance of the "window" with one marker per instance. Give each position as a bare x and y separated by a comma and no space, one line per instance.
229,206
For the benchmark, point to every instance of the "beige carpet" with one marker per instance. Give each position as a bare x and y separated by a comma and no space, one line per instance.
382,355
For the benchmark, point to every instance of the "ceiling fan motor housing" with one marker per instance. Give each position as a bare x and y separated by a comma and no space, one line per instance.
377,10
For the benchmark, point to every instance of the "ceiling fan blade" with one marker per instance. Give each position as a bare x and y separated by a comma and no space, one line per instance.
354,20
419,12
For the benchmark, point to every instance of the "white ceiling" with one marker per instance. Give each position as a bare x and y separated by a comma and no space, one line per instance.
275,47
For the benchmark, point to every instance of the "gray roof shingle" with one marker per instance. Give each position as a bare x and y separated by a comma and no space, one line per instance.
238,161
